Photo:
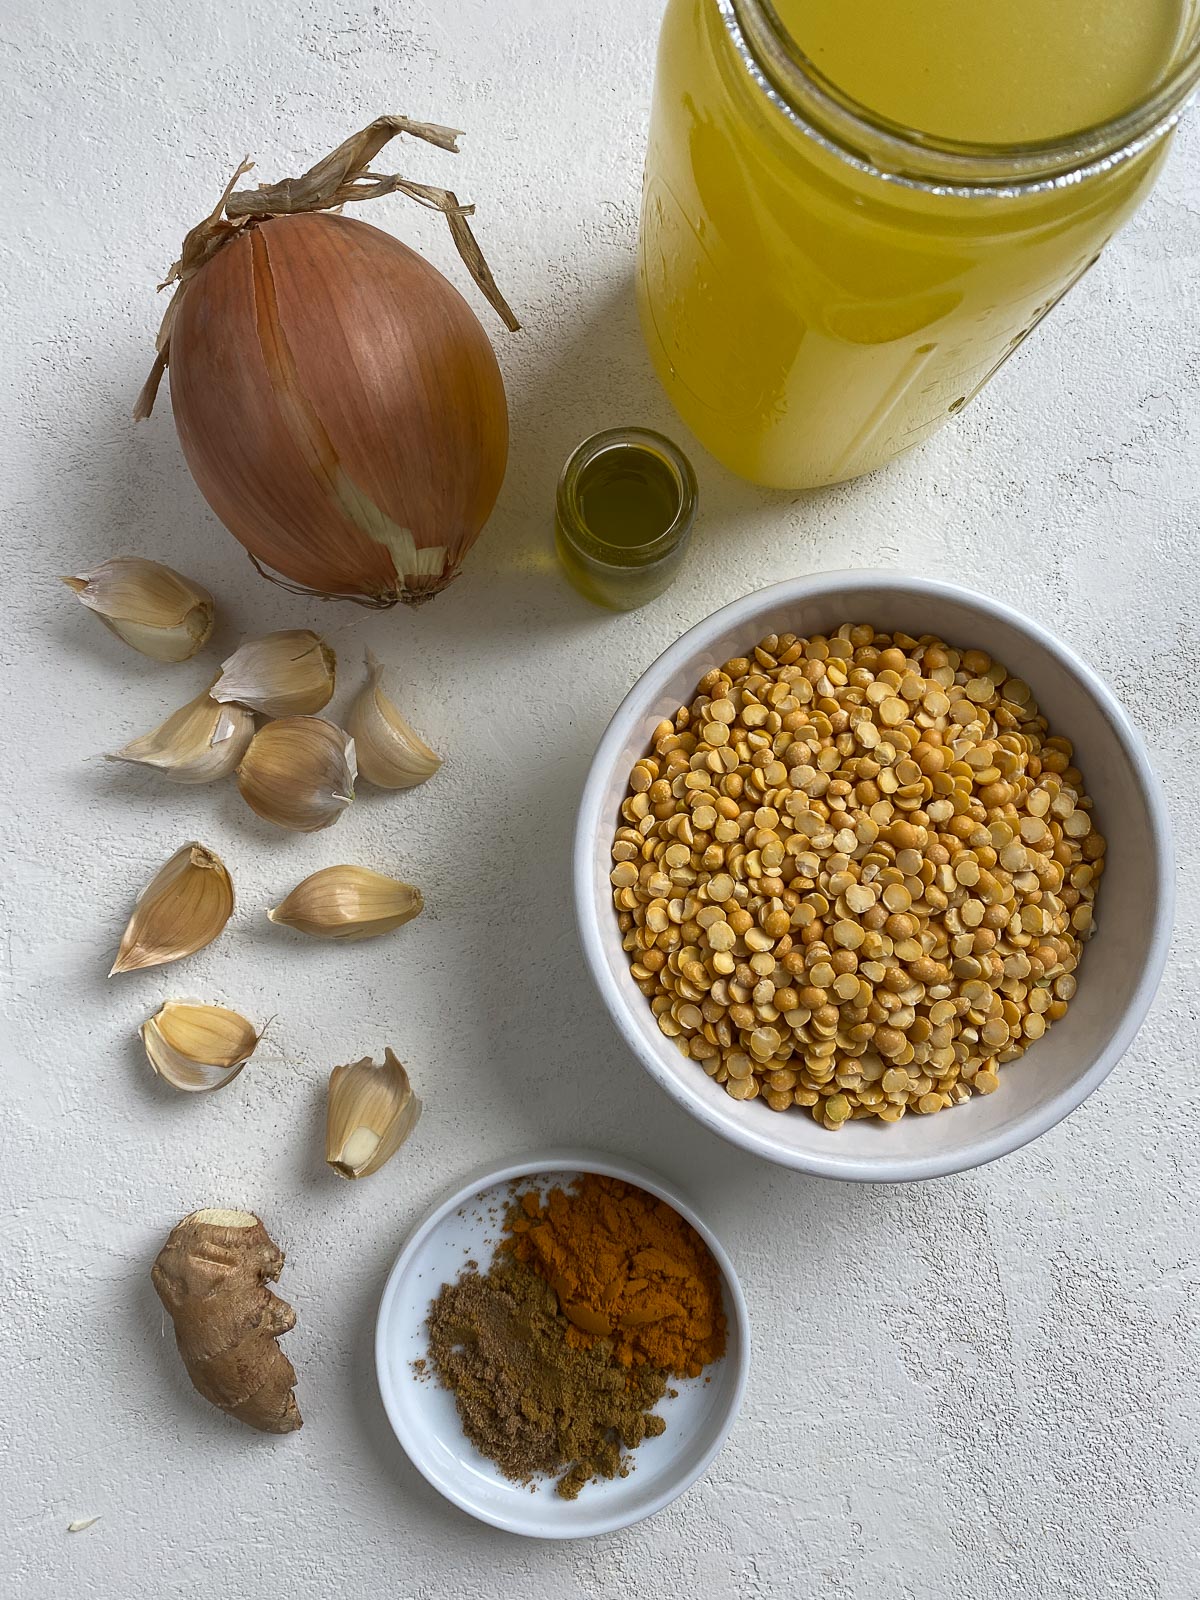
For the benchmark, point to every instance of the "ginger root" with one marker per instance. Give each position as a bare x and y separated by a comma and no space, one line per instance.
212,1276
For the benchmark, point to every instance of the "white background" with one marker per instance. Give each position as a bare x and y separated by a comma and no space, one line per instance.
984,1387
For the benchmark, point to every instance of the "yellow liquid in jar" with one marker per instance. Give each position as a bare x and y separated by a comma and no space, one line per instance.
989,71
810,321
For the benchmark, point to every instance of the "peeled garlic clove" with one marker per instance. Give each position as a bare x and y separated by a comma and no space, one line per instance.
372,1111
183,908
348,903
299,773
198,1048
390,754
286,674
152,607
196,744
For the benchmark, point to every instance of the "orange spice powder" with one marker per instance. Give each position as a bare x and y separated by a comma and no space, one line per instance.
625,1267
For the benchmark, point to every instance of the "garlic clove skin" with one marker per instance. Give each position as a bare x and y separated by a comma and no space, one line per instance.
199,743
198,1048
299,773
348,903
184,907
150,606
391,754
287,674
372,1110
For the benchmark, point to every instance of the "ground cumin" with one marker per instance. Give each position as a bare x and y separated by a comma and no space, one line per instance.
627,1269
527,1398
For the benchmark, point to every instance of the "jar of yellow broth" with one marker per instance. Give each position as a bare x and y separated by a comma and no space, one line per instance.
855,210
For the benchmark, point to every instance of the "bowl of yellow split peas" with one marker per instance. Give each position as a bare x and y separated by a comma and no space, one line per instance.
874,876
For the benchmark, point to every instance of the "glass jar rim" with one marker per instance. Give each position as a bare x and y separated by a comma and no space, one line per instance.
571,513
907,157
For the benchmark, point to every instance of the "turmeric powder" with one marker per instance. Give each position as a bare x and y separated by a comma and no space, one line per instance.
627,1268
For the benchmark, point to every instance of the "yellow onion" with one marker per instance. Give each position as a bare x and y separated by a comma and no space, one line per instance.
337,400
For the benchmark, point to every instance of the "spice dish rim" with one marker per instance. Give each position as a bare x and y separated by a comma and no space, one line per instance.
624,1002
736,1359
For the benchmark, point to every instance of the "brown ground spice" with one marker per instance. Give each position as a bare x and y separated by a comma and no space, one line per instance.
527,1397
626,1268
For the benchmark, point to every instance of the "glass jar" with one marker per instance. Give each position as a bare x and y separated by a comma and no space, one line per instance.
821,289
624,512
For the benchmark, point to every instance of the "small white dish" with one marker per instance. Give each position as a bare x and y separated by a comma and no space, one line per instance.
1121,966
422,1413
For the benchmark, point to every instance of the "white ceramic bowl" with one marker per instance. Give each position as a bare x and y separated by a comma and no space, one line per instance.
422,1413
1120,968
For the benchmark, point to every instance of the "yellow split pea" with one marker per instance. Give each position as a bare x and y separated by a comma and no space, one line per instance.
856,873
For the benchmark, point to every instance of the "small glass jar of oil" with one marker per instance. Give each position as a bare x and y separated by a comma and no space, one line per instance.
624,512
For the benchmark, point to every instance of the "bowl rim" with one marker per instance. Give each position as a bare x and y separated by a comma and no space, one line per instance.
568,1158
882,1169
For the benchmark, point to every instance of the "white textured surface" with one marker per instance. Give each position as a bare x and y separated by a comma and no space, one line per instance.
982,1387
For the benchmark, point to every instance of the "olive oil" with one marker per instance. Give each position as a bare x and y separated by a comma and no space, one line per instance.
625,508
628,497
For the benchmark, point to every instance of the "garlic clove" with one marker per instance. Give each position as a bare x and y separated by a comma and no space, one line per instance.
372,1110
348,903
198,743
299,773
197,1048
152,607
284,674
183,908
391,755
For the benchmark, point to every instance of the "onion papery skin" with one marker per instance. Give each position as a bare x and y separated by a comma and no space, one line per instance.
339,406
